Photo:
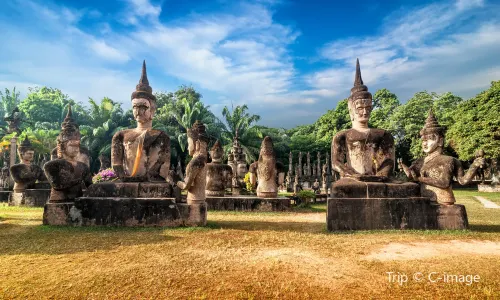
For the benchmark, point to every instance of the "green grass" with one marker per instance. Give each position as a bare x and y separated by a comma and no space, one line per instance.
242,255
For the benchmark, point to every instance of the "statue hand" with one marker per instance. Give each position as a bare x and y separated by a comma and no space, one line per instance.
479,162
181,185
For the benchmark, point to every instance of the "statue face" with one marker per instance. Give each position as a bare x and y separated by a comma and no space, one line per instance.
430,142
360,110
28,155
142,110
72,148
242,169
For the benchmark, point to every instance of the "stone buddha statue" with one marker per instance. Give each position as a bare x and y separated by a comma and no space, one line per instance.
218,174
67,176
143,153
435,171
266,170
26,174
362,153
196,171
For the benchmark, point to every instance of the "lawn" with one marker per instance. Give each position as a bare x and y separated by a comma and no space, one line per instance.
247,256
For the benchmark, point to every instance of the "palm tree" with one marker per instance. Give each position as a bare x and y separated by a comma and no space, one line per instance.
105,119
240,124
9,100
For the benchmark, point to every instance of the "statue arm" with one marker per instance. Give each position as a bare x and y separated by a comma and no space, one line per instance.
465,178
117,153
192,170
59,178
163,162
338,153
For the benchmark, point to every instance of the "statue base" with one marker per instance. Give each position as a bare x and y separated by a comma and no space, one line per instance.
127,212
131,189
30,197
248,203
488,188
363,205
267,194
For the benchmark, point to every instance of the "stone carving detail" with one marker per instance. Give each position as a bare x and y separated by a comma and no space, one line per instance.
435,171
196,171
67,176
26,174
218,174
361,152
266,170
143,153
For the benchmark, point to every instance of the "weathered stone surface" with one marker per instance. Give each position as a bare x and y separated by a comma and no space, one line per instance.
218,174
131,212
451,217
380,213
30,197
487,188
242,203
350,188
130,189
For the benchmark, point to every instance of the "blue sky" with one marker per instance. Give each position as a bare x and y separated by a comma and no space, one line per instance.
290,61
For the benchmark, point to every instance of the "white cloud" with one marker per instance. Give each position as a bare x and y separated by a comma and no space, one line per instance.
102,49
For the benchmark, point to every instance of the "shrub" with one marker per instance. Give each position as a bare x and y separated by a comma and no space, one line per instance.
104,175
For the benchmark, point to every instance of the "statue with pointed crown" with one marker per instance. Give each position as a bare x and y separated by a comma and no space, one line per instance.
143,153
219,175
265,170
196,171
26,174
67,175
435,171
362,153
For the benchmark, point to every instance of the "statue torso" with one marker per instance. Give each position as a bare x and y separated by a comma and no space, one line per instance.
440,167
196,192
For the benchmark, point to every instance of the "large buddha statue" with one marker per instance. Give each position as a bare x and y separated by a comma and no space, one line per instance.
142,153
26,174
67,176
361,152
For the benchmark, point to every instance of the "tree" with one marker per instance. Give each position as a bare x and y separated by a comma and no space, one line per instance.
476,124
9,100
384,104
332,122
239,122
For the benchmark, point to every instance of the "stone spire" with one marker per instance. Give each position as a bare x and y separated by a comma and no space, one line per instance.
267,147
198,132
432,126
359,90
69,128
142,89
216,152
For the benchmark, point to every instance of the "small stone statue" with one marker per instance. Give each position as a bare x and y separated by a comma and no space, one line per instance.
253,173
361,152
196,171
316,186
266,170
324,173
482,165
26,174
105,162
14,121
67,176
435,171
218,174
297,187
142,154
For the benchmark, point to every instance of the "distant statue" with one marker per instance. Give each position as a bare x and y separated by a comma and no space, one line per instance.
361,152
105,162
324,173
14,121
435,171
266,170
482,166
218,174
26,174
143,153
316,186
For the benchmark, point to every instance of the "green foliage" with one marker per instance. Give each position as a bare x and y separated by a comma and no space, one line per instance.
9,100
476,124
384,104
306,194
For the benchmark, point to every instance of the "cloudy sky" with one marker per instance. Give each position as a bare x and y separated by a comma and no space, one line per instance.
290,61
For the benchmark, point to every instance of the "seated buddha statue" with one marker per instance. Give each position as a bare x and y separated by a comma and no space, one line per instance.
26,174
143,153
435,171
218,174
66,175
362,153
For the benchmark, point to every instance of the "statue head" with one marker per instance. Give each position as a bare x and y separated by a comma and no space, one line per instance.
216,152
143,100
480,153
68,141
26,151
360,100
197,138
267,148
241,169
432,135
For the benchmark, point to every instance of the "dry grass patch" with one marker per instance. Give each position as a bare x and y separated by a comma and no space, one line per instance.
241,256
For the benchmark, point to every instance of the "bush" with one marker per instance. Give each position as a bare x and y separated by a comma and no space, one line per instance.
305,197
249,186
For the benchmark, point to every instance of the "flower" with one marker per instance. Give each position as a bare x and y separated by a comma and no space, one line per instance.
104,175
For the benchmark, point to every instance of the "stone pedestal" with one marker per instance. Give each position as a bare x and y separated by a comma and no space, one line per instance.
30,197
379,213
131,189
249,203
451,217
488,188
61,213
